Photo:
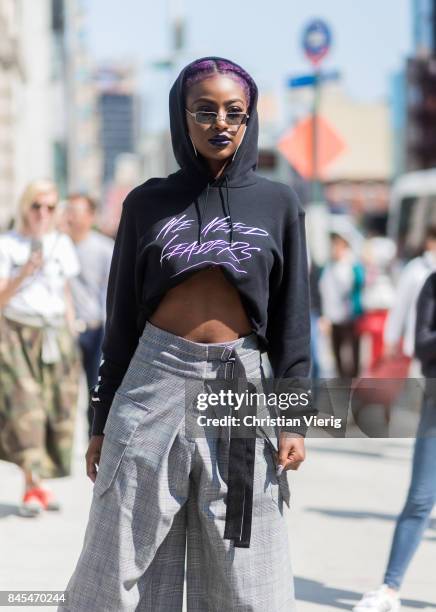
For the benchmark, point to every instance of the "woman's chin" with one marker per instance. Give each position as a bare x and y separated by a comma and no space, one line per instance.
221,155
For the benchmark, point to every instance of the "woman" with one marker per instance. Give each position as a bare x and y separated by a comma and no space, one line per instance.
421,498
39,364
209,269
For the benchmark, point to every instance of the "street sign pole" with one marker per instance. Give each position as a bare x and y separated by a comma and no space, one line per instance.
316,184
311,143
316,44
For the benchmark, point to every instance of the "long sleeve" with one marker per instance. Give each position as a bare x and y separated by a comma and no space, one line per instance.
288,329
397,318
315,293
121,332
104,280
425,332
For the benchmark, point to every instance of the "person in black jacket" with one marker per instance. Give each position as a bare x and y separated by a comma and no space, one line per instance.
208,287
421,497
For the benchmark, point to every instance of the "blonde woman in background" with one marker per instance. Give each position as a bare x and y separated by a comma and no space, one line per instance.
39,364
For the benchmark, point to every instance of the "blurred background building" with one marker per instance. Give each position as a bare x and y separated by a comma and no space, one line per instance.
83,155
30,71
358,179
47,112
11,78
423,27
421,89
119,112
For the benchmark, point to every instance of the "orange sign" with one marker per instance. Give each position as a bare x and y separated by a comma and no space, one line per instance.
297,144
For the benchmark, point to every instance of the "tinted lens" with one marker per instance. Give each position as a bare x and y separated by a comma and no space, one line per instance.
205,117
235,118
209,118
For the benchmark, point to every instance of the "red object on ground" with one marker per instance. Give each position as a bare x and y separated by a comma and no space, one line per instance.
373,323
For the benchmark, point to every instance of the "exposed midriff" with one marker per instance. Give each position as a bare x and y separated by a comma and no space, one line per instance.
205,307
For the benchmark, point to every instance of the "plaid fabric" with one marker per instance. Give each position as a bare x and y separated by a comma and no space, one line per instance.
160,494
38,401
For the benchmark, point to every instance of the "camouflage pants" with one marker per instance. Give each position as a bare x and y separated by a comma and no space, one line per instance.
38,401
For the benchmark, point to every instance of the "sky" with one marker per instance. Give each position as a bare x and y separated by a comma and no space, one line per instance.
371,39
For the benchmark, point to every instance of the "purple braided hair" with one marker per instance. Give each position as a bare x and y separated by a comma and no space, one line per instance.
202,69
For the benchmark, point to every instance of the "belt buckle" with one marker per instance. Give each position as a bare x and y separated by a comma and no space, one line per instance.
228,354
230,363
228,357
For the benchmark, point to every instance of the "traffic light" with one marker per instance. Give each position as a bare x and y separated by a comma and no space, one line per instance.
421,113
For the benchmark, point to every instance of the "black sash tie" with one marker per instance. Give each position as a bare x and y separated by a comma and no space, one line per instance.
241,463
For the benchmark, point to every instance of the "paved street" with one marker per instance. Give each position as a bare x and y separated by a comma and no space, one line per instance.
345,499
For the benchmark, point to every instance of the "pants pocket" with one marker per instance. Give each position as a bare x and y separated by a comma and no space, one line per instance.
124,417
111,458
123,420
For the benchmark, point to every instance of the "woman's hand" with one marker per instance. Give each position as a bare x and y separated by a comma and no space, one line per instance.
93,456
9,286
291,452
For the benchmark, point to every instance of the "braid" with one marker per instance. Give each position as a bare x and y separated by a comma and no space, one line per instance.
202,69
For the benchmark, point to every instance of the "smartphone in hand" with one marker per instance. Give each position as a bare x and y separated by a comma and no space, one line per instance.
36,245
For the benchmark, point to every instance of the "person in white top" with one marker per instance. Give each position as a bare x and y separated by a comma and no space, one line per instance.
340,288
401,320
401,324
39,359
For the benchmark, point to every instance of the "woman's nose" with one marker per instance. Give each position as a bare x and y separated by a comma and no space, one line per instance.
221,121
44,213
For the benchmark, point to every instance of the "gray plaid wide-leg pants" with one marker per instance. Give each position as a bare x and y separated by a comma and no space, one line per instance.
160,495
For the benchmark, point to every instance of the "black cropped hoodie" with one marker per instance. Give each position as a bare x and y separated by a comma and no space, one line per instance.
252,227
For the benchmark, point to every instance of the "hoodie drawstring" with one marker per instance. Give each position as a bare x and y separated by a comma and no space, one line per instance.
199,220
201,214
226,207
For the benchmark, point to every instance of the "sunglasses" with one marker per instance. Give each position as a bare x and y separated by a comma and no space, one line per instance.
38,206
209,117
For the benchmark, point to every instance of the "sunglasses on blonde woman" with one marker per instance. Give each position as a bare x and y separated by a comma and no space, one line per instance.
37,206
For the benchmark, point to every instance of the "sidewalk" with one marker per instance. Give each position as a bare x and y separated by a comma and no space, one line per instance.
347,496
345,499
41,552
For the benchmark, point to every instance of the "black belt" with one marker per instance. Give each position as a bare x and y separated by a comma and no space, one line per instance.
241,462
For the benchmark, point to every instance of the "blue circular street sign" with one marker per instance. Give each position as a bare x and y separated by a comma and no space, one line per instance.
317,40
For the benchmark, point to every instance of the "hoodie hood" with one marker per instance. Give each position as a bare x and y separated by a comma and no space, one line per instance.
194,171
